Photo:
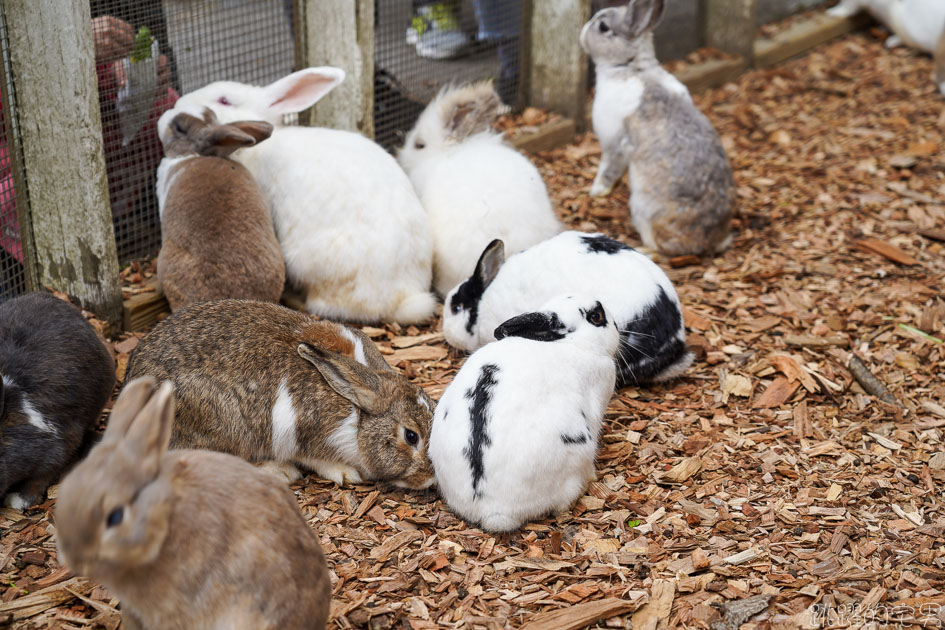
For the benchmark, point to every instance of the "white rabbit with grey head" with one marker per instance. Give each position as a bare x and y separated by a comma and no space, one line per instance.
682,190
514,436
631,286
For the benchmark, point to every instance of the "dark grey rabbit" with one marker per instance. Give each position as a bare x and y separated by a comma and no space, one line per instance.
682,190
57,377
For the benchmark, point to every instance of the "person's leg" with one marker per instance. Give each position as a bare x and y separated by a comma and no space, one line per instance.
501,21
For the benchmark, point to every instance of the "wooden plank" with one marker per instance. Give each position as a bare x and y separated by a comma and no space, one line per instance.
556,66
804,35
730,26
141,311
52,61
340,33
548,136
712,73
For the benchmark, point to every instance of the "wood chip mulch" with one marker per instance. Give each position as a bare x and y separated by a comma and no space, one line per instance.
765,485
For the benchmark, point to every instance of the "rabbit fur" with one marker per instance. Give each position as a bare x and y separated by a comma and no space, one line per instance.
682,190
354,235
474,186
267,383
187,539
631,286
919,24
216,230
57,376
515,434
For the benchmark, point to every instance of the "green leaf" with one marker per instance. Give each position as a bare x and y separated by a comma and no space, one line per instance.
634,522
142,47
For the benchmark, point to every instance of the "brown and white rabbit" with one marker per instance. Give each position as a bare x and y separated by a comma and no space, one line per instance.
268,383
55,378
187,539
682,191
218,238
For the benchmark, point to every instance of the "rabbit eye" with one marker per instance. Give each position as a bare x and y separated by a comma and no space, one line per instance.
411,437
419,145
115,517
596,315
603,27
224,101
455,307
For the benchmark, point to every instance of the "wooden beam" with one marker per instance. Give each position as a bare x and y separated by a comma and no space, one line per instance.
340,33
730,26
52,61
548,136
804,35
708,74
556,66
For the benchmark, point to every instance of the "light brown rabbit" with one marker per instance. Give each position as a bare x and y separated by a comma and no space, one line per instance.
270,384
218,237
187,539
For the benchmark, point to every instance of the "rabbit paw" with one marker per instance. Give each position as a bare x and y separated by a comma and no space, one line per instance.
16,501
283,470
600,189
840,11
335,471
893,41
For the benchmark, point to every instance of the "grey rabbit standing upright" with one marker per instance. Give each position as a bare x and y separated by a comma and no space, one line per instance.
682,190
56,378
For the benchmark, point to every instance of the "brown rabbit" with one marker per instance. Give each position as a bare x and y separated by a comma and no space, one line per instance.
267,383
218,237
187,539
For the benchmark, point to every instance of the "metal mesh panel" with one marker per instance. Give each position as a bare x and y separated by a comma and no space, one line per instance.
197,41
13,198
422,45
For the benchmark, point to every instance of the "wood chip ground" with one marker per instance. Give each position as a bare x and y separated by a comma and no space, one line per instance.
766,471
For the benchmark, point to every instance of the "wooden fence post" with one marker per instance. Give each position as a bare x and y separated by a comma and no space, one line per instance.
52,60
730,27
340,33
556,65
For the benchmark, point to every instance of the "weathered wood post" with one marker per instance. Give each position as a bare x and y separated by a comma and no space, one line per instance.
556,73
340,33
52,60
730,27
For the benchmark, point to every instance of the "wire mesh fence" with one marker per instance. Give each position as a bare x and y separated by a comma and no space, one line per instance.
147,53
422,45
13,198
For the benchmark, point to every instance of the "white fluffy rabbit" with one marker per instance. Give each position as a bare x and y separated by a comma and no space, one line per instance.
916,23
630,285
355,238
514,436
475,187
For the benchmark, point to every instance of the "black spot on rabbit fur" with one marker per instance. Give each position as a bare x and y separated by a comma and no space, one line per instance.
480,397
534,326
604,245
650,344
467,298
580,438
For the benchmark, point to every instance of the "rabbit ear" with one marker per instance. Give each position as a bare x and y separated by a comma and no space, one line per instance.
258,129
150,430
536,326
223,140
350,380
643,16
491,260
300,90
473,114
131,401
